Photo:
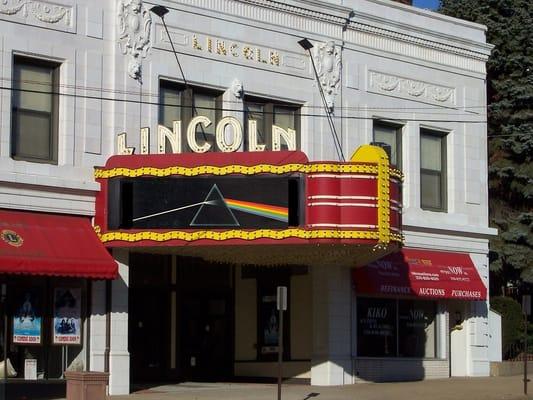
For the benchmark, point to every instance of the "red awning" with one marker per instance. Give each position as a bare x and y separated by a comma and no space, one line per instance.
422,273
55,245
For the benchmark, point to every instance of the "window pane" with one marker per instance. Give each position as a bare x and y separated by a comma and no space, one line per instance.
33,79
431,189
169,110
205,105
431,152
432,170
284,117
376,327
28,314
389,135
33,139
34,110
416,328
256,112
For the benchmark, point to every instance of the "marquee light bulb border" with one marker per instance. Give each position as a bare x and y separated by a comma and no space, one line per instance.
367,160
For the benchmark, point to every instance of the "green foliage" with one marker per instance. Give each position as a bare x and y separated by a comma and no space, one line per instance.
510,131
512,319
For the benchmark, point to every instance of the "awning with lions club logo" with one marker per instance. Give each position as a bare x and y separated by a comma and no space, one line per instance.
33,243
422,273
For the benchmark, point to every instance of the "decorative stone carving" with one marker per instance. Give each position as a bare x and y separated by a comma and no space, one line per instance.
328,63
387,83
42,11
411,89
13,7
237,89
135,25
48,13
441,94
415,88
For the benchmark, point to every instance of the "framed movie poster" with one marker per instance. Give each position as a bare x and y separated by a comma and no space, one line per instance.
269,324
67,316
27,317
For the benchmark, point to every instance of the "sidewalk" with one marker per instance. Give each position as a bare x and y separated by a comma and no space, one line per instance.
494,388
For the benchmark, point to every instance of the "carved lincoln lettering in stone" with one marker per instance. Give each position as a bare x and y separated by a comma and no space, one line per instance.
134,24
328,61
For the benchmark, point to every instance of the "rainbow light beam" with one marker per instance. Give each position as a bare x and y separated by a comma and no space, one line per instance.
263,210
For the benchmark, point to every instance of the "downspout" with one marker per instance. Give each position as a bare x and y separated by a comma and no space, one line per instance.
108,300
88,313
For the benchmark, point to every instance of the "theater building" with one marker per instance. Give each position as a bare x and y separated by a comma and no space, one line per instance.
217,165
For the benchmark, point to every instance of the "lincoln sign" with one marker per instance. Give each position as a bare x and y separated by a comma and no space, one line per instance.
228,134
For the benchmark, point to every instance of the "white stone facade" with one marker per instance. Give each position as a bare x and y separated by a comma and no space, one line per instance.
399,63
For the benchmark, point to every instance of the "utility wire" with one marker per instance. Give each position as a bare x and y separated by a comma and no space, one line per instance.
157,103
156,95
261,112
510,135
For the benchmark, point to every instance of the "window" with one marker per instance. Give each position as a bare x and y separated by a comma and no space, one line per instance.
376,327
396,328
266,114
416,329
432,170
31,310
170,104
392,136
34,110
180,104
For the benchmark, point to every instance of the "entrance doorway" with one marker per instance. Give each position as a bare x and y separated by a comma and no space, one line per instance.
206,317
149,317
148,335
206,337
181,319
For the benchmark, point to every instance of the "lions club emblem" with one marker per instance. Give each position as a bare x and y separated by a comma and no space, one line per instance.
11,237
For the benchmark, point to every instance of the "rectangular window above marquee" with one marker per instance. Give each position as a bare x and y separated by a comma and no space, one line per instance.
189,105
191,119
262,115
391,135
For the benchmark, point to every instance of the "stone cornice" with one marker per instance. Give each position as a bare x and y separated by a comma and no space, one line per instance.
293,15
381,26
429,13
313,9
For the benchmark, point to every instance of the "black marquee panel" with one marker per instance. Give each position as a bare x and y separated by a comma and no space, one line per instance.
269,201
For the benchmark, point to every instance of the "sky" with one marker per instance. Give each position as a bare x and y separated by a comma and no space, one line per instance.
431,4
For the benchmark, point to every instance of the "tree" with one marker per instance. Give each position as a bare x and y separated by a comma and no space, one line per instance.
510,131
512,320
